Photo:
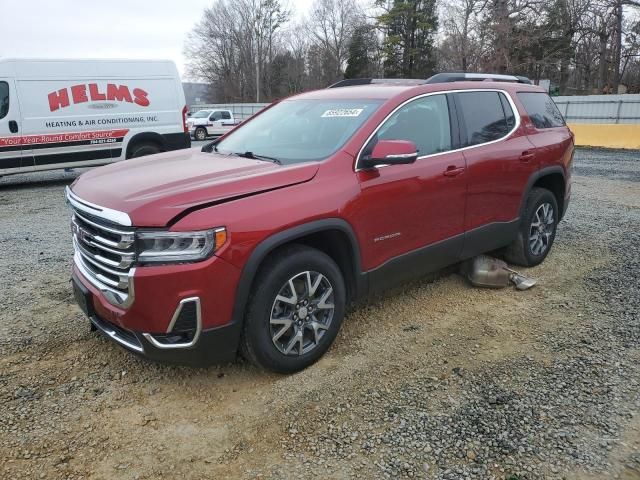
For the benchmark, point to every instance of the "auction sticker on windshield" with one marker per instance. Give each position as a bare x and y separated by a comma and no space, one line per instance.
343,112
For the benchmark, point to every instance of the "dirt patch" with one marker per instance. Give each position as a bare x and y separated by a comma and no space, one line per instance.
432,380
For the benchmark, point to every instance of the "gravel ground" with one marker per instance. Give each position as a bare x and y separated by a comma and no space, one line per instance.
435,380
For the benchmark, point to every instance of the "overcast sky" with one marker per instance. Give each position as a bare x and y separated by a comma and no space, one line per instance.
110,29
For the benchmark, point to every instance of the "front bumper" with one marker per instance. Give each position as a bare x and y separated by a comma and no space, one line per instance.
159,295
216,345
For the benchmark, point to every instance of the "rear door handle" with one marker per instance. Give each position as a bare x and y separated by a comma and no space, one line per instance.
527,156
13,126
453,171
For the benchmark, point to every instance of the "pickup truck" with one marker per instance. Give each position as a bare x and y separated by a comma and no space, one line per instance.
206,123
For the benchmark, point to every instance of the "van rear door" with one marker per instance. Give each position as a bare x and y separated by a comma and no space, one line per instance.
14,157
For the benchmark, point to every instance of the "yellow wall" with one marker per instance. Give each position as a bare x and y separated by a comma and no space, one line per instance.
607,135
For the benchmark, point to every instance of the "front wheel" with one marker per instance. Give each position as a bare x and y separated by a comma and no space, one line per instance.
537,229
296,310
200,134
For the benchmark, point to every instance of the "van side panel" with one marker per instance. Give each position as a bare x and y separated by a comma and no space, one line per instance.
84,113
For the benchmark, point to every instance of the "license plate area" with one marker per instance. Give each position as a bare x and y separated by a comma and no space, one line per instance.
83,297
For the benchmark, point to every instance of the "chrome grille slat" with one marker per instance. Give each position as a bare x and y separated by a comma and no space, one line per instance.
102,240
127,237
106,262
105,254
122,276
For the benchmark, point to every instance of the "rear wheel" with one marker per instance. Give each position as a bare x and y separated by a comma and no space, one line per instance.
537,229
200,134
143,149
295,311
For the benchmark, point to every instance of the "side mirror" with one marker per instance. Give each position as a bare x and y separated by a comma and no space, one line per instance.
391,152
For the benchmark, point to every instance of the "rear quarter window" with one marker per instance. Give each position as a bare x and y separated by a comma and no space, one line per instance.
541,109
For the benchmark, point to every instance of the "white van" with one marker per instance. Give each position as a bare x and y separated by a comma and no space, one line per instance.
79,113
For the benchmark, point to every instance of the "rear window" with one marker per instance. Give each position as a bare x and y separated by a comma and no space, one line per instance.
485,117
4,99
541,110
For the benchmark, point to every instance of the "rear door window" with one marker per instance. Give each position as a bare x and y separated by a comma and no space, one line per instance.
541,109
4,99
484,116
226,115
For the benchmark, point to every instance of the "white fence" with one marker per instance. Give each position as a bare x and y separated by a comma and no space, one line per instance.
600,108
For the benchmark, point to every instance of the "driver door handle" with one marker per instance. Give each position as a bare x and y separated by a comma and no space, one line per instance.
453,171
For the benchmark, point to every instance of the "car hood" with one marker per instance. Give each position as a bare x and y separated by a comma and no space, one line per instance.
155,189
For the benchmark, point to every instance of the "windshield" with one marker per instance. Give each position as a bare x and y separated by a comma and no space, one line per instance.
201,113
299,130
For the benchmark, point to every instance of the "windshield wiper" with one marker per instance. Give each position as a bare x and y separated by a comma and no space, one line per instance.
253,156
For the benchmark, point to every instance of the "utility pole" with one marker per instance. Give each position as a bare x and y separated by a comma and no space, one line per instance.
257,79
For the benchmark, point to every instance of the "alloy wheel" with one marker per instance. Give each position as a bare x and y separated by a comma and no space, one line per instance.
301,313
541,229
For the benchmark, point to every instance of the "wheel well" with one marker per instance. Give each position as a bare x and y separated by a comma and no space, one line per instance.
554,182
337,245
147,137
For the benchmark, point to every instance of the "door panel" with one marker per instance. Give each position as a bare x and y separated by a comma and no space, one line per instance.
500,159
14,158
407,208
498,174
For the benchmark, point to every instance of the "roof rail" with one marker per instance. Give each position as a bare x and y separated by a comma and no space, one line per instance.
478,77
437,78
350,82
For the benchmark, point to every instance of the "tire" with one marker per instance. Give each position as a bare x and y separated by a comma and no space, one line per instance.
143,149
200,134
537,229
264,341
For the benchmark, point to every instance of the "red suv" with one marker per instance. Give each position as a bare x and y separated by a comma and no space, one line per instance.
259,241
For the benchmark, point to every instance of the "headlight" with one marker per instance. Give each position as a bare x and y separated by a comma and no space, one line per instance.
178,247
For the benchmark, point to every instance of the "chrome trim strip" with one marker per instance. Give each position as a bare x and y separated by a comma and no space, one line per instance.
176,314
403,155
103,327
119,299
516,113
109,214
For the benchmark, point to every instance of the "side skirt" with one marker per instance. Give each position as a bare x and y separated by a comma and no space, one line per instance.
434,257
415,264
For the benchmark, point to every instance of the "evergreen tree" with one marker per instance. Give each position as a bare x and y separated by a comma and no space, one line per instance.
409,45
362,61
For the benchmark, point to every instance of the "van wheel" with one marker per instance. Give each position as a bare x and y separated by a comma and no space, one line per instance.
200,134
295,310
143,149
537,229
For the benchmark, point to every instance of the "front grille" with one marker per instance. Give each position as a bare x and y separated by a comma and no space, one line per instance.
105,253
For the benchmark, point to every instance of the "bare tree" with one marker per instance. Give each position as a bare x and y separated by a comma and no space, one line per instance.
332,24
233,45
